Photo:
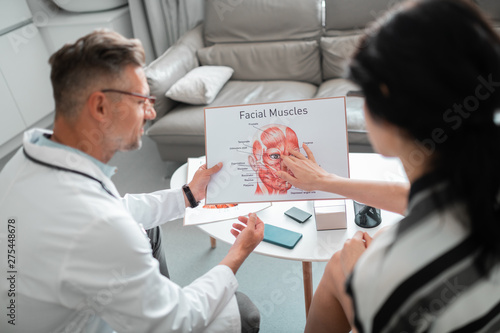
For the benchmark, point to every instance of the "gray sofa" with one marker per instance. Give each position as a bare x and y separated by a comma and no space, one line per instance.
279,50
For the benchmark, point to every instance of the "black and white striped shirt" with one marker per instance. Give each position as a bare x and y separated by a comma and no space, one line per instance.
419,276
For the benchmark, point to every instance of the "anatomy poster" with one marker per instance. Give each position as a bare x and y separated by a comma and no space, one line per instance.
250,141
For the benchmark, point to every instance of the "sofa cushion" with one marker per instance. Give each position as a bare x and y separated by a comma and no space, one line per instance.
336,53
184,125
201,85
228,21
357,133
296,60
172,65
341,15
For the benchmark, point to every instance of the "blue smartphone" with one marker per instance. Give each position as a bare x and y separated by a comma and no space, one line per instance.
281,237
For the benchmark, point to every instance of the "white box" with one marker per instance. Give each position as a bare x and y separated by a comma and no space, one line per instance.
330,214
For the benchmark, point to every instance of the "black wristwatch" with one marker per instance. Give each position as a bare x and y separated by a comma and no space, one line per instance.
189,195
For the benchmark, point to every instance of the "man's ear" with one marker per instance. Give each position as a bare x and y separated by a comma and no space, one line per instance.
98,106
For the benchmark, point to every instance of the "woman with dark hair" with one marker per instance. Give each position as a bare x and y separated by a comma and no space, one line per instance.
430,72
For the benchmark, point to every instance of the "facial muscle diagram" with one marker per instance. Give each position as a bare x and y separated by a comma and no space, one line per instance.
270,144
252,141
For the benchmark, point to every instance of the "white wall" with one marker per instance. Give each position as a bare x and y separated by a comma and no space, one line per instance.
25,90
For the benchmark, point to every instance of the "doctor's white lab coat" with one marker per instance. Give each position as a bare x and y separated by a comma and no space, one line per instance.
79,261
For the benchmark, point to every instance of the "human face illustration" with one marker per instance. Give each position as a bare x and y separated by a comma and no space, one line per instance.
274,142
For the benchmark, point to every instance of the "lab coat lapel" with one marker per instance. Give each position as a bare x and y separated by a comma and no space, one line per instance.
64,159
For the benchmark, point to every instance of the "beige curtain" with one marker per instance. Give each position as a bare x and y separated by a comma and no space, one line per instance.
159,23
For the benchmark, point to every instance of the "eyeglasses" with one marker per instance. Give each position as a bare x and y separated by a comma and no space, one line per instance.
150,99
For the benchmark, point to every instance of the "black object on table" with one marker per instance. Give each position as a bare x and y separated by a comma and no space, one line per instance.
366,216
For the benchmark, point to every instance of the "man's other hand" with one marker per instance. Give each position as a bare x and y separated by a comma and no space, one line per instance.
249,233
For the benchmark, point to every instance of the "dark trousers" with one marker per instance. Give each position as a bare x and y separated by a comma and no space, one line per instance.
155,238
250,316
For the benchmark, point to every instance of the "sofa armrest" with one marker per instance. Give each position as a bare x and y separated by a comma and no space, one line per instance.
172,65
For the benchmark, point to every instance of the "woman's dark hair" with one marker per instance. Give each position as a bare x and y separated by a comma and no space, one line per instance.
432,68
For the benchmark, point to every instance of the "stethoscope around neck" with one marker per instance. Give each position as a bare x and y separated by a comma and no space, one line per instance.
48,165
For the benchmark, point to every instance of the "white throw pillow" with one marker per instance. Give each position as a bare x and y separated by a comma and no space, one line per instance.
201,85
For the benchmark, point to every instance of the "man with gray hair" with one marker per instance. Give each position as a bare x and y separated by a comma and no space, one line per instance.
79,258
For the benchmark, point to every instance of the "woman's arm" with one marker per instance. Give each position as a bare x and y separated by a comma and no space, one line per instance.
389,196
308,175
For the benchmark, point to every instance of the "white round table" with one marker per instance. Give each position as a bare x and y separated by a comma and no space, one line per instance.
314,245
